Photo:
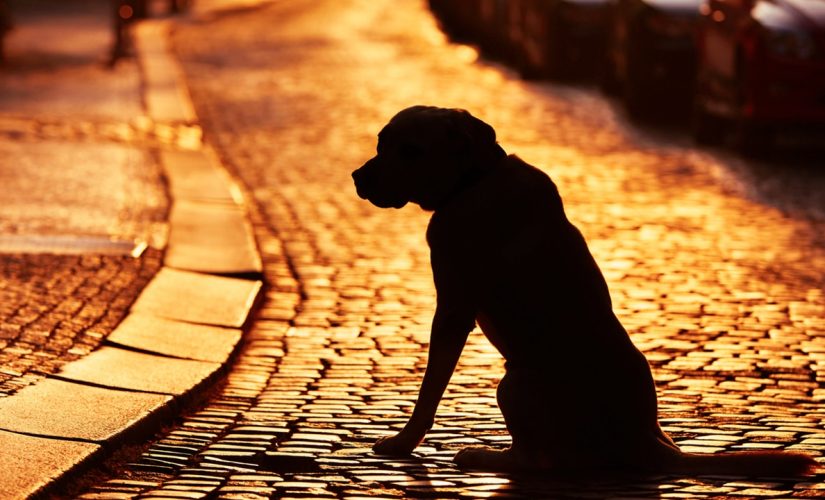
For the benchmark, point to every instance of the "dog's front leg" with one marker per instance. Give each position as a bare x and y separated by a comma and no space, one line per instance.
447,339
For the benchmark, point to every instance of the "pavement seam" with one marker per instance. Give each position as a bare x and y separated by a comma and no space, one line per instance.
46,466
56,439
92,384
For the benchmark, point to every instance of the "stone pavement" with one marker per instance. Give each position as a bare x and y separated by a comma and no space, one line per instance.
128,265
721,290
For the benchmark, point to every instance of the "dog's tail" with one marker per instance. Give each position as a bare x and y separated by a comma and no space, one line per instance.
748,463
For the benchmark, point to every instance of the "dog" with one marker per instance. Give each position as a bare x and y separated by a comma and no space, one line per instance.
576,394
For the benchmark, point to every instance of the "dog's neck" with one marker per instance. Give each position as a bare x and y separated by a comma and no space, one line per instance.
477,171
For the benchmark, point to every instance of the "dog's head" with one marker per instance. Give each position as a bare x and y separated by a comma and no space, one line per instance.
425,155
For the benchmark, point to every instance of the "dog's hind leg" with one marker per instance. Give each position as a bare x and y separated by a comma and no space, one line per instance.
524,416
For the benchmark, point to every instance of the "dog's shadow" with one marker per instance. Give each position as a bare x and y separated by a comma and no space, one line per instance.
433,474
432,479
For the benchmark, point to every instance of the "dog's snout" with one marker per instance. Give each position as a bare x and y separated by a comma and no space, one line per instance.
374,185
358,175
361,179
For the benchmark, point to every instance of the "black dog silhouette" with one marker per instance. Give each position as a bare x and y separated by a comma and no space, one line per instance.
577,395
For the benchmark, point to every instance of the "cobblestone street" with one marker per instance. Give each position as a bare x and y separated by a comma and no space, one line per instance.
718,280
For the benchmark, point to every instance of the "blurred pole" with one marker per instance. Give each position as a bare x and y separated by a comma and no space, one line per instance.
124,13
141,8
5,27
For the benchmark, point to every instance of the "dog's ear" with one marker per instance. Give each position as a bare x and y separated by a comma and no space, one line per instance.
474,137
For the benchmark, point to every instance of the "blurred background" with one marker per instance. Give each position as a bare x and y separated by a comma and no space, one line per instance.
747,73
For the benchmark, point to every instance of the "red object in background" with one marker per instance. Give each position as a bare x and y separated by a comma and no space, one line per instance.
761,66
126,12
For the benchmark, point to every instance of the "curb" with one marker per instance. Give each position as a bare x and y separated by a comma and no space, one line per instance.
178,336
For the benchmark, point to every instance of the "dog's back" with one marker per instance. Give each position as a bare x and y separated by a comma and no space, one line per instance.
526,263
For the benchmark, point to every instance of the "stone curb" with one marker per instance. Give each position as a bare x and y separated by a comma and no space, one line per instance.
180,333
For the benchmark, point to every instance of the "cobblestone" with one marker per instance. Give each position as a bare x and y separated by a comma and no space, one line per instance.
139,131
57,308
723,294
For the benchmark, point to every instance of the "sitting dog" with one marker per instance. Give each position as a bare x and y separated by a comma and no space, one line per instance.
576,395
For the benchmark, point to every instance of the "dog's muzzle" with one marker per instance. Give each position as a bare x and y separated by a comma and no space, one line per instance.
361,179
371,186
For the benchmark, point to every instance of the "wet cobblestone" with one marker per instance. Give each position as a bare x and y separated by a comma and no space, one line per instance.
723,294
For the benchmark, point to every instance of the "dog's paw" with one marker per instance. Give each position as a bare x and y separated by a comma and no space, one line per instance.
397,445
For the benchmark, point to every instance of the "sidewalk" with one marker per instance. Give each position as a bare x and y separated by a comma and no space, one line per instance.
127,267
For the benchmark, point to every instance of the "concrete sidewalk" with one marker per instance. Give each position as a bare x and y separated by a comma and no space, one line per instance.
127,266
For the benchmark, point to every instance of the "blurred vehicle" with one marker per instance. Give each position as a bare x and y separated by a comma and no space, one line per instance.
459,19
558,38
761,67
493,38
479,22
651,57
